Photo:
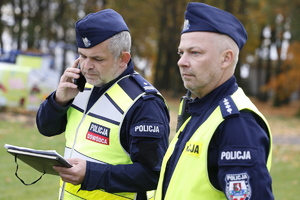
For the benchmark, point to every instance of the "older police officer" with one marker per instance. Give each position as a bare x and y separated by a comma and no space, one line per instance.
117,128
223,151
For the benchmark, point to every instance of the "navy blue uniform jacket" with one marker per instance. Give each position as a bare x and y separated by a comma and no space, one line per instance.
145,152
245,132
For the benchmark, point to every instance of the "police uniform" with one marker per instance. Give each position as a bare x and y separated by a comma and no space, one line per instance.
121,128
239,147
223,151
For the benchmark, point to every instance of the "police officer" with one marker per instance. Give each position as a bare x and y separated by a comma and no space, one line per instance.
116,129
223,150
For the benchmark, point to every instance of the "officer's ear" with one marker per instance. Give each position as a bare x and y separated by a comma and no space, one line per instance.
227,58
124,58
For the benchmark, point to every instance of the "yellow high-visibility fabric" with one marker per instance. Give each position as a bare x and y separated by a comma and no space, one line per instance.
190,179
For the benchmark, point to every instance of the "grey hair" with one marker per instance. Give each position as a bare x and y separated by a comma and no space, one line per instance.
225,42
119,43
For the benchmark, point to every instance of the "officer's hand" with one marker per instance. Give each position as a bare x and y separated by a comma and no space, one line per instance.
75,174
66,89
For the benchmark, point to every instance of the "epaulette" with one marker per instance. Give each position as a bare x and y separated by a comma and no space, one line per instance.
228,107
147,87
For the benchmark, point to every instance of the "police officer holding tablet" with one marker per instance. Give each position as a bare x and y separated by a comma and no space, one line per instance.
117,128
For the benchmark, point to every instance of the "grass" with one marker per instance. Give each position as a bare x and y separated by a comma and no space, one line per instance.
19,134
21,131
285,171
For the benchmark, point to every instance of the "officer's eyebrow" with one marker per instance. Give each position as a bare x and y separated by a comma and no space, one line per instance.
93,57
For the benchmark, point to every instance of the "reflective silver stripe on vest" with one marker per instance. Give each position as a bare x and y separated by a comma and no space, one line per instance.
108,111
81,100
75,154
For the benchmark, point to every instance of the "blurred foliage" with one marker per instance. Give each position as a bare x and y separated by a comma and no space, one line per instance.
155,26
288,80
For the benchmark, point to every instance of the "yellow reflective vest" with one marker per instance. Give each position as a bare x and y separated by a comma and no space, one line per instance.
94,135
190,179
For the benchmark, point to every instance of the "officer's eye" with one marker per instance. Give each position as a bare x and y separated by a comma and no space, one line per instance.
180,53
195,52
82,56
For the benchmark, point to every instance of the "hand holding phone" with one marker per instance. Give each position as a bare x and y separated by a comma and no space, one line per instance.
80,82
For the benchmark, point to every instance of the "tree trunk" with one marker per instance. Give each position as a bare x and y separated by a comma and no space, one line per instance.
167,75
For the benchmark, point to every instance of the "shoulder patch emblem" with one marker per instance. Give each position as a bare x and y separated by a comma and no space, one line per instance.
238,186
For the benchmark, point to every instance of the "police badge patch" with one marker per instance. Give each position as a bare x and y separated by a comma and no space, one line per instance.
238,187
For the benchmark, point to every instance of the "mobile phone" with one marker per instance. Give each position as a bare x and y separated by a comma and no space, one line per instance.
80,82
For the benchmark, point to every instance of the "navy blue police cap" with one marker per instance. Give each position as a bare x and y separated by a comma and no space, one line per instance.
98,27
202,17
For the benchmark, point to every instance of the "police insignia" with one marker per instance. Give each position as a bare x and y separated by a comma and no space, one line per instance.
238,186
86,42
186,25
228,107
